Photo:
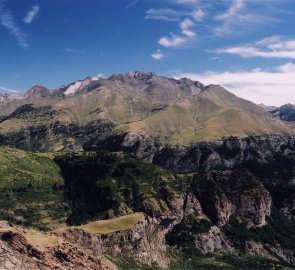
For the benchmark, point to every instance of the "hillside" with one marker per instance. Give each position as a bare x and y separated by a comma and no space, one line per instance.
177,112
155,219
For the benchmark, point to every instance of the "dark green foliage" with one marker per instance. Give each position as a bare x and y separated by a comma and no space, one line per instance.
125,263
43,137
102,181
279,230
183,234
224,261
213,186
30,192
242,261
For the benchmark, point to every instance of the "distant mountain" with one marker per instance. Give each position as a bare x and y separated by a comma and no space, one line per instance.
286,112
267,108
176,112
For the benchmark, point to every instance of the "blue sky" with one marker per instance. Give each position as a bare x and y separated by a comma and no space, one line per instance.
248,46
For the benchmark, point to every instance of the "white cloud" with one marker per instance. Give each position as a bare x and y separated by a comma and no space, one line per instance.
185,26
178,41
259,86
31,14
243,15
72,50
165,14
158,55
7,20
131,4
174,41
186,1
214,58
271,47
198,14
5,89
287,68
235,7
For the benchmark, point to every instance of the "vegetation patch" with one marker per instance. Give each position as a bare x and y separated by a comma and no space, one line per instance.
30,192
98,184
221,261
279,230
36,238
112,225
183,234
125,263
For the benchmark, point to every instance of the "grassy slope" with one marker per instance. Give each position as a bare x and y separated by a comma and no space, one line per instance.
211,115
28,195
112,225
108,226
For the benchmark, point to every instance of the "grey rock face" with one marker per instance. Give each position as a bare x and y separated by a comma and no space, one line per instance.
286,113
269,157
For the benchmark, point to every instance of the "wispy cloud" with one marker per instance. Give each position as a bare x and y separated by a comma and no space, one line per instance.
230,18
174,41
158,55
30,16
5,89
187,1
198,14
243,14
73,50
7,20
271,87
233,10
214,58
185,26
165,14
179,40
270,47
132,4
187,15
170,14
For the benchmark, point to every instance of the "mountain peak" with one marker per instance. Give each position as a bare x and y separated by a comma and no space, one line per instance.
138,75
38,89
141,75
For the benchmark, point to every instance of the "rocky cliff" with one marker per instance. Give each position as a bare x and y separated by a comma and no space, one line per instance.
211,212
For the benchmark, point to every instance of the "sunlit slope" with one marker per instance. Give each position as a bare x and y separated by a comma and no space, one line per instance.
174,111
210,115
30,193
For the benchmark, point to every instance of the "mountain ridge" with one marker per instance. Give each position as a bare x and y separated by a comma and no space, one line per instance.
174,111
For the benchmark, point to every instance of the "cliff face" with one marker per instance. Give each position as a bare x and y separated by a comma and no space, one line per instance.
222,197
238,192
270,157
228,153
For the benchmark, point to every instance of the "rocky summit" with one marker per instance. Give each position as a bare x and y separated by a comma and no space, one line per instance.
140,171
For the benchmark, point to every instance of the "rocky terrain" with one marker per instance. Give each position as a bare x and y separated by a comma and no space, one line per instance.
286,112
139,171
213,212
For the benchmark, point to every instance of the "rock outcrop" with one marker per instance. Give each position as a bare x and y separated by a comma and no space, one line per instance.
238,192
271,158
29,249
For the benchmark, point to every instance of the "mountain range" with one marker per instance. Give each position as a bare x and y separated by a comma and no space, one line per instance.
175,112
